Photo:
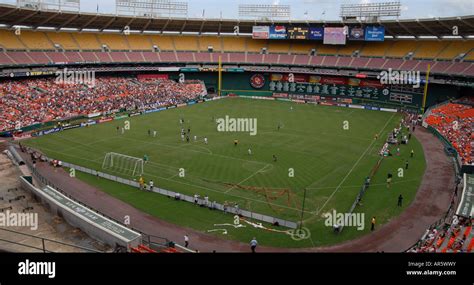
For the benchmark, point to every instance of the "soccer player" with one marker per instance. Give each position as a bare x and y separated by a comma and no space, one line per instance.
412,153
205,140
149,132
195,138
145,158
141,181
182,137
389,179
118,129
123,131
187,138
279,126
400,200
236,142
372,228
406,164
275,158
249,151
151,185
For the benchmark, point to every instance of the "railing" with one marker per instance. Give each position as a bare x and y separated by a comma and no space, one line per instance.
216,206
43,180
44,242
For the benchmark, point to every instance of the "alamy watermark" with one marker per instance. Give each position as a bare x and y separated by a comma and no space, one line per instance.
228,124
336,220
75,77
390,76
12,219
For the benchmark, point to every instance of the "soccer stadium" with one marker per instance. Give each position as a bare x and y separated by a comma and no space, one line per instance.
146,128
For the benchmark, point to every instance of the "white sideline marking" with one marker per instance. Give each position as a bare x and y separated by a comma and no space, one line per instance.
257,172
353,167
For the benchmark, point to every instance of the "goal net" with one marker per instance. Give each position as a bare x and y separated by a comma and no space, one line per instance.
122,163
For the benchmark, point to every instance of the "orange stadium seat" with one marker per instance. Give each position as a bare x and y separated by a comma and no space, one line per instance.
206,41
87,41
255,46
36,40
302,47
376,48
279,46
164,43
9,40
186,43
65,40
234,44
114,41
456,48
401,48
322,49
139,42
429,49
350,47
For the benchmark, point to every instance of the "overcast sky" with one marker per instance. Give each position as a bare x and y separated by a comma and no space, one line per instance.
300,9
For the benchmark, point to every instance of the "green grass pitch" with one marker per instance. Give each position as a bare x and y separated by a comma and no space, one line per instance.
330,161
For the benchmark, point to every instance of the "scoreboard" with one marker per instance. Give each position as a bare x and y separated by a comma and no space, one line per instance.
298,33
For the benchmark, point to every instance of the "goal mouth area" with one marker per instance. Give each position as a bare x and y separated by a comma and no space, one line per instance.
124,164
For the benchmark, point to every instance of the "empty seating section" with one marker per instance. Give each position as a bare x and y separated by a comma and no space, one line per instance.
376,63
186,43
456,48
87,41
302,48
114,42
350,48
255,46
429,49
322,49
376,48
139,42
35,40
278,46
87,47
163,42
207,41
65,40
234,44
9,40
401,48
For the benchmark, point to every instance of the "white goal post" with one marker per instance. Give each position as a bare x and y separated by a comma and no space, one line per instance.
122,163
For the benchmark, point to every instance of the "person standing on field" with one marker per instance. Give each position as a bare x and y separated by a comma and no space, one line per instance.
253,244
186,241
400,200
372,227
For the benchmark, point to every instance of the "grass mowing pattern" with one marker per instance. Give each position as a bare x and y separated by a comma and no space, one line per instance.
328,160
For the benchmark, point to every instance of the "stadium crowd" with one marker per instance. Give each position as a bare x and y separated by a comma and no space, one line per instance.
455,122
454,237
31,101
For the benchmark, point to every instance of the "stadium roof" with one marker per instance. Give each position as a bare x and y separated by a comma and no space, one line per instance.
10,15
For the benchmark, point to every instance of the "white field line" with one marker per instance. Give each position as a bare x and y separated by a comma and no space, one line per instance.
192,185
353,167
257,172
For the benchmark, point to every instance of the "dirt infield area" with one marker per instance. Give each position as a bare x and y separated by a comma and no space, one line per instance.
430,204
